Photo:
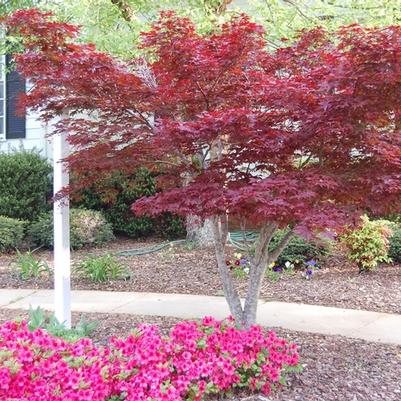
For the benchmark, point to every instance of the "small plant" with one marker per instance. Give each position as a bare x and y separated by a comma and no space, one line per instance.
368,245
11,233
102,268
29,266
273,272
240,266
311,268
39,319
299,250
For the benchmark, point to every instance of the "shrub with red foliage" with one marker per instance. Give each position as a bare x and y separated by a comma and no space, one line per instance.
196,359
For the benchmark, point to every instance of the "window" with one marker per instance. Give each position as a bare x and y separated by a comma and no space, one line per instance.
15,125
2,97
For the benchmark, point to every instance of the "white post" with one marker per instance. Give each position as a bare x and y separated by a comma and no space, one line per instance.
61,214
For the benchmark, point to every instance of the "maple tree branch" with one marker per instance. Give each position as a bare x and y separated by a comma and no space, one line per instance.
280,247
203,94
302,164
136,113
265,236
165,162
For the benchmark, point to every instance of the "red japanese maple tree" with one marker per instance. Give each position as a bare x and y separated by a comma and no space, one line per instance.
306,137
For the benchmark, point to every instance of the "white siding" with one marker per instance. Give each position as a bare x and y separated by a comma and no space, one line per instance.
35,139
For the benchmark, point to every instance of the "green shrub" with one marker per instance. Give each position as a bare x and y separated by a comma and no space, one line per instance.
87,228
395,245
25,185
114,197
11,233
368,245
39,319
28,266
298,251
101,268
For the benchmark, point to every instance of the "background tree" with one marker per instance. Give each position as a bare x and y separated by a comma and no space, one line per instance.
115,25
306,137
283,18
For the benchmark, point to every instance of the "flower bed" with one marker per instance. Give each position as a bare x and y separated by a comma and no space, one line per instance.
195,360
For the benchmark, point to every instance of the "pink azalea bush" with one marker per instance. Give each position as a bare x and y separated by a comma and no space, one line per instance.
196,359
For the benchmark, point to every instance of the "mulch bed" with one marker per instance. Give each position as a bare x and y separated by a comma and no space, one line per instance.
194,271
335,368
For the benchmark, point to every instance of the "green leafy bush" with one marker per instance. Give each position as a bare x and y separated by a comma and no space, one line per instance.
101,268
114,197
87,228
395,244
11,233
25,185
298,251
369,244
28,266
39,319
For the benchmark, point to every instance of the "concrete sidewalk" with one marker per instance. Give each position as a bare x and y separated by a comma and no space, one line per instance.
370,326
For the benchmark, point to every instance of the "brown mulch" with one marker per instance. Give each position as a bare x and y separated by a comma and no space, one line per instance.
335,368
194,271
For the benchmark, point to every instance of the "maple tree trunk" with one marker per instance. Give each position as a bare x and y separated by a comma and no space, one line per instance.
245,315
230,292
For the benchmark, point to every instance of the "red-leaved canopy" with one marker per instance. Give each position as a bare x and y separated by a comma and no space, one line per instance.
305,135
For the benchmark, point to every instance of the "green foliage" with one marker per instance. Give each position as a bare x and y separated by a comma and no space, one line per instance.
101,268
39,319
114,197
106,26
395,244
25,185
87,228
368,245
11,233
298,251
284,18
169,226
28,266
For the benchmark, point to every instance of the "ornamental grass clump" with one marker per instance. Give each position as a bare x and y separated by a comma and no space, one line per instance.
195,360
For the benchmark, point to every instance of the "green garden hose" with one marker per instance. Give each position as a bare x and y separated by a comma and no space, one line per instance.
242,239
149,249
237,239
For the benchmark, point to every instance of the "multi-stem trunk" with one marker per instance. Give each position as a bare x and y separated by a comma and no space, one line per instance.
245,312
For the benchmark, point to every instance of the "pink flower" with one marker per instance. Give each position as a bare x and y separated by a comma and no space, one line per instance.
194,360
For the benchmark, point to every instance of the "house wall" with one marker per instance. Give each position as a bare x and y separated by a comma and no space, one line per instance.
35,139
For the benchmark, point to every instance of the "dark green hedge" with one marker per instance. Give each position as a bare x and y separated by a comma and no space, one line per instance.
11,233
25,185
114,198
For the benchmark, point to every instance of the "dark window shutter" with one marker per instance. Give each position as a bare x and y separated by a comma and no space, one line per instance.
15,123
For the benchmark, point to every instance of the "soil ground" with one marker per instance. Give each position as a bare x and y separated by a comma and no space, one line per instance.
193,271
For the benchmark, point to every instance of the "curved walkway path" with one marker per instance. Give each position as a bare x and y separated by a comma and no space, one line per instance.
365,325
